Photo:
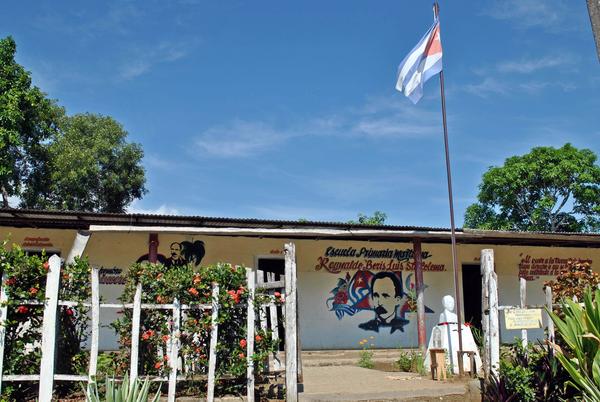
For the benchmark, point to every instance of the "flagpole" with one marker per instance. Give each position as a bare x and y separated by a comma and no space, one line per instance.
436,8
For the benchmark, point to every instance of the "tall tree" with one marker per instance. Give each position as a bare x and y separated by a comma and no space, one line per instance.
91,167
27,120
378,218
547,189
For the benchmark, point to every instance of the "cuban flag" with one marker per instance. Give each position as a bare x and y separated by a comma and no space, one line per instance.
422,63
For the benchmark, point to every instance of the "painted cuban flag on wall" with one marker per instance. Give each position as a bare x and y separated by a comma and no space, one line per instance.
422,63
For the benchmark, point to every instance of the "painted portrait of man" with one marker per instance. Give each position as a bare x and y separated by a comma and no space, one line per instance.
386,300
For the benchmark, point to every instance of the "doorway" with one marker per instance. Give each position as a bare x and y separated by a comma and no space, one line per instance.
471,285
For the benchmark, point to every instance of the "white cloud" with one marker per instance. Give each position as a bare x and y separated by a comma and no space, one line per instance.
526,66
549,14
163,209
489,86
382,117
239,138
144,59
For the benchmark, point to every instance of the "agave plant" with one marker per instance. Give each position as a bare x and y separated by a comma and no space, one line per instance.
580,331
137,391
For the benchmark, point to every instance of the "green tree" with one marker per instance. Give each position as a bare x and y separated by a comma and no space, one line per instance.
27,120
92,167
378,218
547,189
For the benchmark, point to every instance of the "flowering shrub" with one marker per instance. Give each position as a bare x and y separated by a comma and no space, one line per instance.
161,285
26,280
573,281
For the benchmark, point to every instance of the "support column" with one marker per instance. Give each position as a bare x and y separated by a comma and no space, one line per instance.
153,247
420,288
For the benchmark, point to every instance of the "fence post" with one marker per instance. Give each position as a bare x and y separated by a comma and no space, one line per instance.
212,353
95,323
274,326
523,299
3,316
487,262
549,306
135,333
485,317
49,330
174,357
291,344
251,281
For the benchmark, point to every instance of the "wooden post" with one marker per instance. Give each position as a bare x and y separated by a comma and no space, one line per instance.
548,291
212,353
523,300
487,259
251,282
174,355
291,345
485,318
153,247
421,328
95,323
274,326
49,331
81,240
3,316
135,333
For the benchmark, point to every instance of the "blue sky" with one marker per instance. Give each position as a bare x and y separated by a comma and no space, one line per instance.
287,110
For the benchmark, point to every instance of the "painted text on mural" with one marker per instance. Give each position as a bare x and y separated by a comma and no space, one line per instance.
531,268
335,260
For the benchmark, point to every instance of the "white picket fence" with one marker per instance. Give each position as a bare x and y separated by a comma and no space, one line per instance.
47,375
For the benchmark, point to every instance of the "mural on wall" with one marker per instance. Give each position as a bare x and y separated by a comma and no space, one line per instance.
180,253
381,293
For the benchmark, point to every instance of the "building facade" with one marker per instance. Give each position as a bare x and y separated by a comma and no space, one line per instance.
354,281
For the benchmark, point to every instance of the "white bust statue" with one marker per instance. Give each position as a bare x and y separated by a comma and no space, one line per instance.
448,315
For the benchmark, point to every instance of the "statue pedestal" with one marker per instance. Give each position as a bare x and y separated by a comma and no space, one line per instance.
445,336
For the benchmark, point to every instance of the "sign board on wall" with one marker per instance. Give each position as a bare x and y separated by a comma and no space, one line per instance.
521,318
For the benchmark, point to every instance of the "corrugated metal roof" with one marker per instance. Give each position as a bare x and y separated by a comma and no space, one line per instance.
288,228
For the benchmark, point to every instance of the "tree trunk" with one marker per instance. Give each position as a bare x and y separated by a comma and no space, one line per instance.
594,10
4,197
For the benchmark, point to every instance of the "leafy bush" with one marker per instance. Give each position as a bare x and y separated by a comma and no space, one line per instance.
580,333
26,280
411,361
572,281
162,285
115,392
528,374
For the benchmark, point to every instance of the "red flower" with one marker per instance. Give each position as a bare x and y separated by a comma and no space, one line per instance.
258,338
241,355
148,334
193,291
10,281
197,279
165,338
33,291
277,294
46,265
158,365
22,309
160,299
69,312
243,343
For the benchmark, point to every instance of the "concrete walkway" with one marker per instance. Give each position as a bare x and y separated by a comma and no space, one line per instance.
352,383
